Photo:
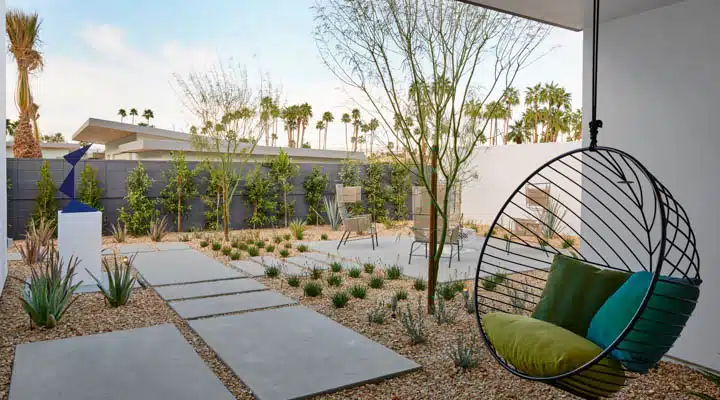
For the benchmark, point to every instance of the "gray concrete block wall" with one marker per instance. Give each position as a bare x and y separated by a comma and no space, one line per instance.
112,174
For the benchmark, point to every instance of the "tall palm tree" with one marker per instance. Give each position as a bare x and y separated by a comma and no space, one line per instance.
275,115
372,127
532,104
510,99
266,106
327,118
23,31
575,125
10,127
494,110
289,116
355,113
320,125
122,113
148,115
133,114
304,115
520,132
345,119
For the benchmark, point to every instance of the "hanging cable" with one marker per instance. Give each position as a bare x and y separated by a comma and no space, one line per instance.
595,123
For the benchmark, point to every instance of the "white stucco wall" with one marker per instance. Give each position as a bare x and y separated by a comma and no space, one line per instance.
3,179
500,170
659,93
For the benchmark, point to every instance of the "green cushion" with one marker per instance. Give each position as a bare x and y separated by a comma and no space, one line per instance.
669,308
574,292
541,349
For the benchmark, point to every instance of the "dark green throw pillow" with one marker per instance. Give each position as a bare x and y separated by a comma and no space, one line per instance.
574,292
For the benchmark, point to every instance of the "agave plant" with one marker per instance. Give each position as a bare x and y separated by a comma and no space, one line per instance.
49,293
158,229
333,212
37,243
120,280
119,232
43,230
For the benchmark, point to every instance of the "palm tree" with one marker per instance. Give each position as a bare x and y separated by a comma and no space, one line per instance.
148,114
346,120
266,105
275,115
520,132
355,113
10,127
575,125
34,116
133,114
327,118
304,115
532,104
372,127
510,99
122,113
494,110
23,34
289,116
320,125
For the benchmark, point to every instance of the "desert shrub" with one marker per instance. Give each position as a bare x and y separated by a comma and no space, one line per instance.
374,190
216,246
324,236
315,185
284,253
226,250
377,282
354,272
293,280
260,195
253,251
179,189
312,289
89,191
297,228
316,272
490,282
334,280
287,236
158,229
272,271
336,266
358,291
393,272
400,186
459,286
119,278
242,246
420,284
277,239
446,290
468,302
49,293
282,171
340,299
235,255
260,244
270,248
377,314
141,210
441,313
462,355
204,243
45,204
302,248
235,242
414,323
401,294
369,268
287,245
119,232
184,238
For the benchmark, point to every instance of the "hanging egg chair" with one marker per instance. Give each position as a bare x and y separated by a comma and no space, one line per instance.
589,272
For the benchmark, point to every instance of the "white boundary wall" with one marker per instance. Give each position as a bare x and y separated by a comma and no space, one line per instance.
3,178
500,169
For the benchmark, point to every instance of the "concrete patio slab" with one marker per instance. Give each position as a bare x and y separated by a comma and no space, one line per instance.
182,266
136,248
287,267
209,306
165,246
206,289
291,353
250,268
144,363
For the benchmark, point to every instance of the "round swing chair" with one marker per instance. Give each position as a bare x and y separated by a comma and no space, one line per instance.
589,272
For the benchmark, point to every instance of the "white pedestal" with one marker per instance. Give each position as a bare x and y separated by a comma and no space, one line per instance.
80,235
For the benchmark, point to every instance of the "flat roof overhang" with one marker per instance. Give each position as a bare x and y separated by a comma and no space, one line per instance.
101,131
570,14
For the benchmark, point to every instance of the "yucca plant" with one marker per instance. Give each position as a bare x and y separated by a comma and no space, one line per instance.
298,228
33,251
49,293
158,229
119,232
120,280
43,230
333,213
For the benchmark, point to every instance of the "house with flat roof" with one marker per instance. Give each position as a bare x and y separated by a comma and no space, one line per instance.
49,150
134,142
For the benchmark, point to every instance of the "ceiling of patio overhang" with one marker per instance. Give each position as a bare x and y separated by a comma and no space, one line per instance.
570,13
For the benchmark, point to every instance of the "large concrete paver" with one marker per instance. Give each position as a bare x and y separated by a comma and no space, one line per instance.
181,266
286,267
205,289
250,268
136,248
209,306
166,246
144,363
295,352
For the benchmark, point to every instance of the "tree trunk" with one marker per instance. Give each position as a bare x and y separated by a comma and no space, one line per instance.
505,133
325,141
25,145
433,228
346,139
267,133
179,216
286,207
355,135
226,216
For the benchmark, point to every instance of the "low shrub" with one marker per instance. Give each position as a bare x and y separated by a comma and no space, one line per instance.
401,294
216,246
420,284
260,244
312,289
354,272
226,250
298,228
414,323
293,281
253,251
277,239
324,236
393,272
235,242
272,271
358,291
459,286
50,291
446,290
490,282
288,245
120,280
334,280
302,248
377,282
369,268
204,243
287,236
336,266
270,248
284,253
235,255
462,355
377,315
340,299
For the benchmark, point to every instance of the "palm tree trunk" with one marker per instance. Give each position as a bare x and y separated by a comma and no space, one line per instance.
25,145
346,138
505,133
325,142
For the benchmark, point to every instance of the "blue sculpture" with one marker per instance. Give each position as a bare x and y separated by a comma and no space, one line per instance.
68,185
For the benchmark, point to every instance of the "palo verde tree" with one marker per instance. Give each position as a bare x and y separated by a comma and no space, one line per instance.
222,100
418,63
282,172
180,188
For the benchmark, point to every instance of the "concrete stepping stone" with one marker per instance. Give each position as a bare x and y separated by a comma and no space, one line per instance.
209,306
136,248
294,352
286,267
206,289
14,257
182,266
250,268
165,246
144,363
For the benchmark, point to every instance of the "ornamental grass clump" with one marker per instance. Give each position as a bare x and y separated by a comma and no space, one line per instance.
216,246
298,228
377,315
420,284
226,250
302,248
120,280
312,289
204,243
49,294
393,272
336,267
284,253
377,282
401,294
235,255
369,268
354,272
414,323
35,248
334,280
464,356
358,291
293,281
269,248
340,299
253,251
273,271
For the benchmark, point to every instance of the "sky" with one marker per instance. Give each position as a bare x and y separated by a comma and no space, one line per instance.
101,56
